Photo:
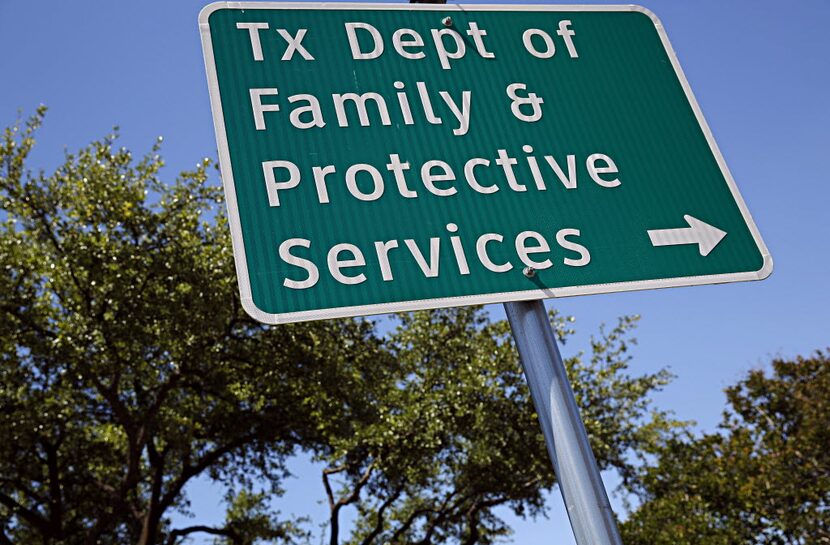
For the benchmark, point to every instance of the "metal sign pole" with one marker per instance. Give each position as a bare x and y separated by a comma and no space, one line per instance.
592,519
576,469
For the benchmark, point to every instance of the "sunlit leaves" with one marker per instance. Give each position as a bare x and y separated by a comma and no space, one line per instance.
453,435
763,478
128,367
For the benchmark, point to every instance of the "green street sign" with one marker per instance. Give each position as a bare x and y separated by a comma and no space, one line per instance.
387,157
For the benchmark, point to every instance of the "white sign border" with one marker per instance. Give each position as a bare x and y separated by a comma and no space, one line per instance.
420,304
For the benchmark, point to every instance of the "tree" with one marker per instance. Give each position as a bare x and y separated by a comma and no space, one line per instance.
455,436
763,478
128,369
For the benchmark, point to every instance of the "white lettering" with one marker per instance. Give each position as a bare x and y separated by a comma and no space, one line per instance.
430,269
458,250
397,167
506,163
469,174
461,114
360,104
335,263
382,249
609,168
253,32
272,186
526,251
478,40
584,255
310,268
481,250
444,56
354,43
567,35
313,108
568,181
320,174
550,48
258,107
429,178
427,104
377,181
400,44
294,44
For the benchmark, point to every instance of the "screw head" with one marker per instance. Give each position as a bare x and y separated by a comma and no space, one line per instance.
529,272
447,21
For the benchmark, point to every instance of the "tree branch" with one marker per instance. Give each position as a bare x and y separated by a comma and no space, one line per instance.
206,461
182,532
5,539
23,488
30,516
135,445
476,508
380,520
24,320
336,506
149,527
55,493
410,520
443,513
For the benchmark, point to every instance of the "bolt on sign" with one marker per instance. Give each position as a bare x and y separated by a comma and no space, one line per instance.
388,157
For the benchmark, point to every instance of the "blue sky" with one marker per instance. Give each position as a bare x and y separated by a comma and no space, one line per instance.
760,73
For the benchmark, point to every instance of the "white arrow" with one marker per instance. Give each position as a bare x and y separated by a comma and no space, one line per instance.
698,232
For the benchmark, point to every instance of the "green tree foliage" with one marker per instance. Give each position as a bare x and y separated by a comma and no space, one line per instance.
128,369
455,435
763,478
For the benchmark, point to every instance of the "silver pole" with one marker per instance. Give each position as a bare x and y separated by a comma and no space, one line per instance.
576,469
